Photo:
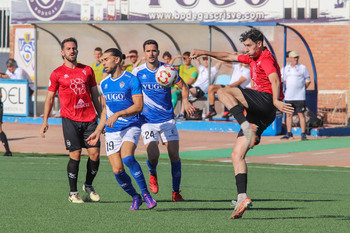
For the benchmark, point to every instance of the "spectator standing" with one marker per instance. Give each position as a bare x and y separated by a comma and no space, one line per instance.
135,61
188,74
296,78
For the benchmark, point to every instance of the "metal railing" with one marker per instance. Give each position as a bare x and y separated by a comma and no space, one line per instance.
4,30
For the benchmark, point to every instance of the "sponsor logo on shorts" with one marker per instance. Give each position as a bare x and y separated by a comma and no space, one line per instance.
68,143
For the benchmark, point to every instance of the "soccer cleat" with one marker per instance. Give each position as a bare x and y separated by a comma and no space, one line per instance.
303,137
192,99
136,203
210,114
7,154
177,196
240,208
75,198
250,134
89,189
151,203
153,184
287,136
180,117
226,114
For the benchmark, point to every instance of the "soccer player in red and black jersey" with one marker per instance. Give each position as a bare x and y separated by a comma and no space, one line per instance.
260,103
78,94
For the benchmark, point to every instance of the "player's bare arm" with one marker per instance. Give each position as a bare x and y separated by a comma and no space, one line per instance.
94,97
275,84
47,109
223,56
187,106
131,111
93,138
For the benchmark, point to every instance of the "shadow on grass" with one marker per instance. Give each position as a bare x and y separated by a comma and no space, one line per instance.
15,139
340,217
219,209
291,200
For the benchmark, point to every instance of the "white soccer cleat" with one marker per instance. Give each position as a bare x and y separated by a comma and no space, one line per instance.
75,198
89,189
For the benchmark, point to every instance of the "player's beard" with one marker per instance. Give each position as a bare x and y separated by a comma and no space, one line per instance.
73,60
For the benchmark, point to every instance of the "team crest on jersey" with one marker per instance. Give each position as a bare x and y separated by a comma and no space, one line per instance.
27,48
84,71
66,76
122,84
106,85
144,76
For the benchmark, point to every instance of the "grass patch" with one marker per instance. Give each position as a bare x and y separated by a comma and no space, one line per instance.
34,198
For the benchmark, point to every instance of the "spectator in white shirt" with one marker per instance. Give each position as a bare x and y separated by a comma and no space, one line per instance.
296,78
15,72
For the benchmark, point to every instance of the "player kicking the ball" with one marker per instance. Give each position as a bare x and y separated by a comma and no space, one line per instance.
159,118
122,103
260,104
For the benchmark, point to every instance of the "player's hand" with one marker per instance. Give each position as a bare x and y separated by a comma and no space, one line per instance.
43,130
284,107
93,138
111,120
189,109
195,53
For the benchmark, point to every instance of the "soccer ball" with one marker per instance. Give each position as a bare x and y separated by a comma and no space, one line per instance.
166,76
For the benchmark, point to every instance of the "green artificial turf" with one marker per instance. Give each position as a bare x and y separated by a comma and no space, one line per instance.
34,198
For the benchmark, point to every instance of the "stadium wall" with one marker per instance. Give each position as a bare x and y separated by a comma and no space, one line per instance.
329,45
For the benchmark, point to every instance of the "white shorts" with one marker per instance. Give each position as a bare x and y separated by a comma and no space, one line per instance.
166,130
114,141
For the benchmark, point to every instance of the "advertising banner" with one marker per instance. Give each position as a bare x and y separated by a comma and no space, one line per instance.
282,11
15,97
25,50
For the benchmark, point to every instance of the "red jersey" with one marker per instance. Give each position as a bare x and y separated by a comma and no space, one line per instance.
260,69
74,88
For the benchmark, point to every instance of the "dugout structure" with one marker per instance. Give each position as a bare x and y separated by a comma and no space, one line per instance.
173,36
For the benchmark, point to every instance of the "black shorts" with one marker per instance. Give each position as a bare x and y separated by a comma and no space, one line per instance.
199,92
75,134
298,105
1,111
260,111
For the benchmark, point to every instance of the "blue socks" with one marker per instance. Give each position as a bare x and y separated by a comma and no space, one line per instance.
125,182
152,168
176,173
136,172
